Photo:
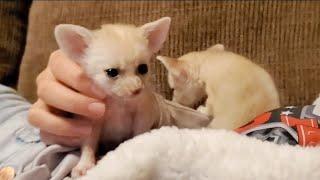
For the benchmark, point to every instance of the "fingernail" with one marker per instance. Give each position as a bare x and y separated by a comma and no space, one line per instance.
97,108
98,92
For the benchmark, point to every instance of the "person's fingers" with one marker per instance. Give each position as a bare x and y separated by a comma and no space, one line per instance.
71,74
57,95
87,106
49,138
41,117
45,75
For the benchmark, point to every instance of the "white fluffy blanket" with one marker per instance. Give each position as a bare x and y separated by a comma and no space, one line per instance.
173,154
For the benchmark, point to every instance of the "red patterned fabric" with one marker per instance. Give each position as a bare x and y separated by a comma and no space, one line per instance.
288,125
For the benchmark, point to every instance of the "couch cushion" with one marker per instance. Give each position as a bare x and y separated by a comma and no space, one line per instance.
282,36
13,18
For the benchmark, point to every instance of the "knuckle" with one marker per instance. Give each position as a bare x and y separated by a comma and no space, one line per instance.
33,116
42,88
41,76
81,82
54,59
54,55
38,79
80,75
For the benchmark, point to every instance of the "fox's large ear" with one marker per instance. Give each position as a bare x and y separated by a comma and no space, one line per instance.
175,67
171,64
157,32
73,40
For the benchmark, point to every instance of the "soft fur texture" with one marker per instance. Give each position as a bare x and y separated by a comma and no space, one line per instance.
172,154
131,104
237,90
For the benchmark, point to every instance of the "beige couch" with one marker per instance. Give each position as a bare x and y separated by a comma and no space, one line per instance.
282,36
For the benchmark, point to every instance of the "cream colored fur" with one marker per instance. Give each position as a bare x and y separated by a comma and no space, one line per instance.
237,90
131,104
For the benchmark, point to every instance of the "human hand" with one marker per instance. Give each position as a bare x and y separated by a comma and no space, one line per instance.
63,88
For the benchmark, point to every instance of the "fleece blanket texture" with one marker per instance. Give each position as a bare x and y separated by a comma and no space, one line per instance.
183,154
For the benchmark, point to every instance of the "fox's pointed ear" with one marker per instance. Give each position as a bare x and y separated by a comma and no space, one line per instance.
174,67
157,32
171,64
73,40
217,47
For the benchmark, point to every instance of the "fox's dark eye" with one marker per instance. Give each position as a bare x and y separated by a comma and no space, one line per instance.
112,72
142,69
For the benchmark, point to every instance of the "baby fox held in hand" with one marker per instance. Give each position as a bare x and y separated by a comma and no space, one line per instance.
116,57
237,90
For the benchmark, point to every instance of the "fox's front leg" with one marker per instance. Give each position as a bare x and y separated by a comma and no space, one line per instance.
88,152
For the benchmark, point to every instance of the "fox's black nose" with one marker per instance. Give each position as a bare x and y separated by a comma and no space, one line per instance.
136,92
